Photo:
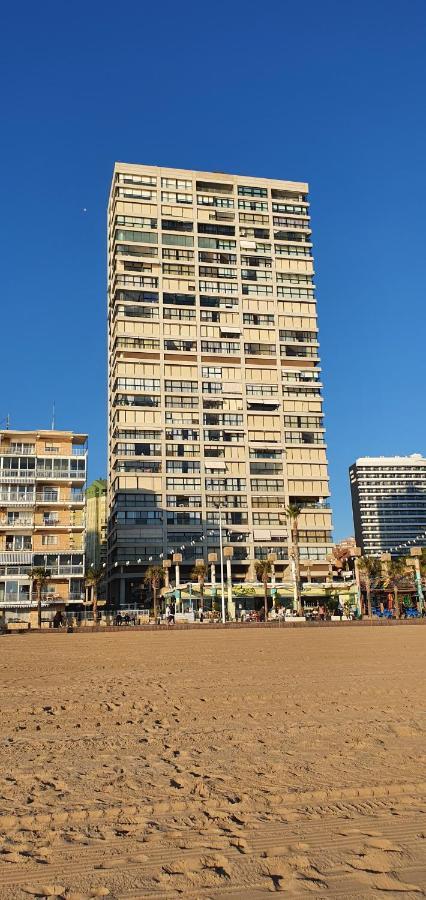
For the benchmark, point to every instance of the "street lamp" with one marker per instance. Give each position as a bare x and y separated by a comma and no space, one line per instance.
416,552
228,553
177,559
356,553
166,568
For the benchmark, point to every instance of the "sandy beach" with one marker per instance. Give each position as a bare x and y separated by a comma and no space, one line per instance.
210,764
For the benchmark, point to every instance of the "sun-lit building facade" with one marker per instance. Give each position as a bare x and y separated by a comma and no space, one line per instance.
215,393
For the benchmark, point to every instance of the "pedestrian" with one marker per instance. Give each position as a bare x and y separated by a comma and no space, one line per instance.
168,614
201,614
172,613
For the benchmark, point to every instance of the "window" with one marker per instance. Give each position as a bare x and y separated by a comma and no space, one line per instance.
181,402
136,220
176,269
135,194
137,343
179,184
211,372
258,319
258,289
179,299
253,349
176,225
255,205
168,197
220,347
261,390
270,485
182,465
183,484
298,335
180,314
172,253
187,387
183,434
226,484
181,346
136,312
137,384
48,540
127,178
143,237
207,228
180,240
247,191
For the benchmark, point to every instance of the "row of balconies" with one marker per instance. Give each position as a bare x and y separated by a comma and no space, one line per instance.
31,475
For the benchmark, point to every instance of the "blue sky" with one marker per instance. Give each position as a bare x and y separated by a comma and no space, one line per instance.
328,92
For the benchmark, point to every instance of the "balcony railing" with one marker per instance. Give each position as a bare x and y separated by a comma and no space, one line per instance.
23,522
11,499
16,557
13,451
16,475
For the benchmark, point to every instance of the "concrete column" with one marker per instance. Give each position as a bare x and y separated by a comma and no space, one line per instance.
166,568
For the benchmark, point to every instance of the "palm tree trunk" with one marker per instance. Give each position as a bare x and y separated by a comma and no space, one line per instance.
202,595
396,601
154,590
368,592
297,568
95,604
265,588
39,605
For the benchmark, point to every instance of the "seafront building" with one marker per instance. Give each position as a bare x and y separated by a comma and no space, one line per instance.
42,481
215,393
389,503
96,523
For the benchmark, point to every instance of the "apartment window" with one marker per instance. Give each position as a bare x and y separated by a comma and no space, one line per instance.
248,191
211,387
303,437
137,465
219,302
177,240
287,250
177,184
211,371
173,253
183,484
175,269
278,502
210,315
220,347
176,225
264,290
127,178
182,500
137,384
252,233
187,387
182,465
216,244
298,335
254,205
172,197
127,499
299,352
137,296
261,390
253,349
49,540
183,450
137,343
182,434
268,485
225,484
226,437
179,299
180,314
136,220
258,319
184,518
181,346
135,194
139,449
143,237
139,517
207,228
136,400
294,292
181,402
218,287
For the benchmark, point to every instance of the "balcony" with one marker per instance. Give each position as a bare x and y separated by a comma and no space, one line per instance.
16,499
22,522
6,450
16,557
16,475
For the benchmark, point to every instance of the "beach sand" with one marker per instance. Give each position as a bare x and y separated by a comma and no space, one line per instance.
214,763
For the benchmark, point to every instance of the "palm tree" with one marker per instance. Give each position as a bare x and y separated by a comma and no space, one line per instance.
39,576
93,578
263,570
396,570
154,576
370,570
292,512
199,573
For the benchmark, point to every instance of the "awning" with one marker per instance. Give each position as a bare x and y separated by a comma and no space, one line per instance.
215,464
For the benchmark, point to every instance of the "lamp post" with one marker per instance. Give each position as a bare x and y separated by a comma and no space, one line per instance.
415,553
356,553
222,586
272,558
228,553
177,559
212,560
166,567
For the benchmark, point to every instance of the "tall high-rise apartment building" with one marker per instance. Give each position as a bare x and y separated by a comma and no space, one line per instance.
215,401
389,502
96,523
42,480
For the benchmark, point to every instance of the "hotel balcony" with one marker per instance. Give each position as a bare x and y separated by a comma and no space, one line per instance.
23,522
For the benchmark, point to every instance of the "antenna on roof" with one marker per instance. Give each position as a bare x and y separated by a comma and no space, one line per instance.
53,416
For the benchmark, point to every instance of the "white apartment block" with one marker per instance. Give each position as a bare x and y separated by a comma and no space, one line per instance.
215,394
389,503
